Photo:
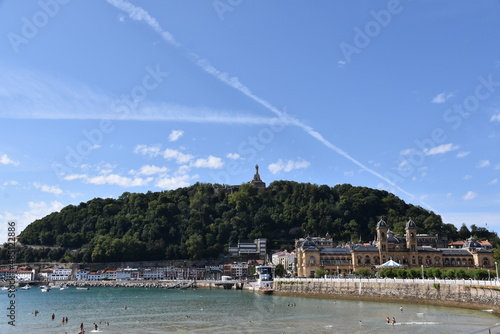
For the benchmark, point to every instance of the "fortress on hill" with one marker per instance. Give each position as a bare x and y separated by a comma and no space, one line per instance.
256,181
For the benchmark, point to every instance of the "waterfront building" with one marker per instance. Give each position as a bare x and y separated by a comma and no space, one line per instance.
110,275
320,253
81,275
44,274
24,275
286,259
155,273
60,274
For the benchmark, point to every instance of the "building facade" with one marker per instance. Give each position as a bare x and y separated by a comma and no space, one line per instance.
320,254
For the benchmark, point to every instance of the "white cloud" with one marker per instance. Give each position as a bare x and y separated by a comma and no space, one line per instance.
495,118
497,167
175,135
483,164
115,179
233,156
75,177
48,189
287,166
176,155
444,148
470,195
492,182
150,170
5,160
407,151
173,182
341,63
467,177
10,183
442,97
151,151
210,162
462,154
36,210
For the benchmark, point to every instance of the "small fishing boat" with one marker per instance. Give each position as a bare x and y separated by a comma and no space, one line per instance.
26,287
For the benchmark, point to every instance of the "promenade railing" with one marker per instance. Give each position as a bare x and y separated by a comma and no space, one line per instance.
495,282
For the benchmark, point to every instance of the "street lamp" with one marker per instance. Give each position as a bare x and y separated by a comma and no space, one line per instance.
422,271
338,272
496,268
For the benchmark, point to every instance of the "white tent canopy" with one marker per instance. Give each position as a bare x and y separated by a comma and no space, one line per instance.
390,264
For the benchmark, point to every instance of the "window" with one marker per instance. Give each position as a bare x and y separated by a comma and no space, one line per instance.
312,261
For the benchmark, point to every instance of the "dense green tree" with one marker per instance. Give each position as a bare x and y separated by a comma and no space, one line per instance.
203,219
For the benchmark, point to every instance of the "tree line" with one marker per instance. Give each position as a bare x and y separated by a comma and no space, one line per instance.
202,220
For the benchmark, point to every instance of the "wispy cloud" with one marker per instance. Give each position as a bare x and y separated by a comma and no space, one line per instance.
495,118
48,189
494,181
6,160
111,179
470,195
442,97
483,164
175,135
441,149
233,156
31,95
462,154
287,166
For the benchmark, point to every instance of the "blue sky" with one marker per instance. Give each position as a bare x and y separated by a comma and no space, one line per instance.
102,97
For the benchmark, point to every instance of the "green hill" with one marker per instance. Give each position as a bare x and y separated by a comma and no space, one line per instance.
200,221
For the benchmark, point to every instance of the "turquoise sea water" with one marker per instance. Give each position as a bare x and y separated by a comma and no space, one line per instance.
140,310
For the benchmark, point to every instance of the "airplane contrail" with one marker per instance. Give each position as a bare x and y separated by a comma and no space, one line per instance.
139,14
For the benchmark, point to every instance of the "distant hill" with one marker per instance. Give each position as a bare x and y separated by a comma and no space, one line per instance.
200,221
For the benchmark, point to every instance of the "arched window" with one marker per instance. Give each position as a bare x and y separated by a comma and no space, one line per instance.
359,259
486,261
367,259
312,261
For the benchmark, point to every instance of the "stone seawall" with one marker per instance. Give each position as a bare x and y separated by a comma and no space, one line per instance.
457,295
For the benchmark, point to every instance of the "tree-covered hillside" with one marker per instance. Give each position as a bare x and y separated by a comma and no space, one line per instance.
200,222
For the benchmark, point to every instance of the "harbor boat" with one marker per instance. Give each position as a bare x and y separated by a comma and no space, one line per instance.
26,287
4,288
266,279
44,288
82,288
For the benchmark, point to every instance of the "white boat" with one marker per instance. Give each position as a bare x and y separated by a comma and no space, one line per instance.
266,279
26,287
4,288
44,289
82,288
